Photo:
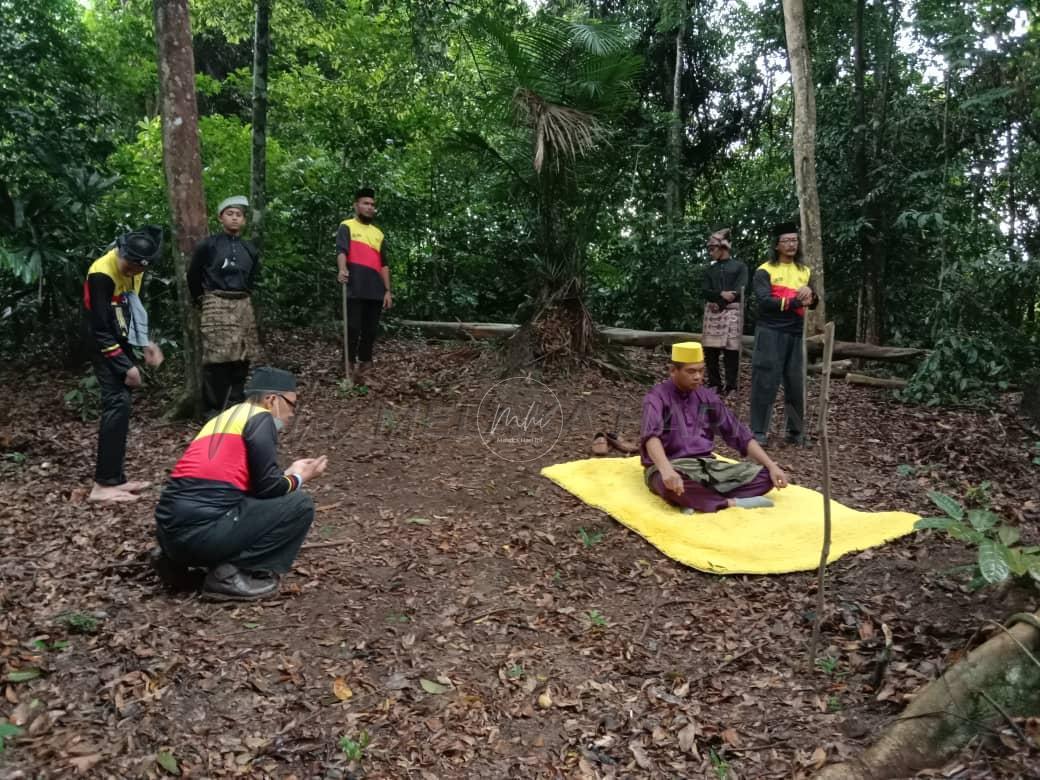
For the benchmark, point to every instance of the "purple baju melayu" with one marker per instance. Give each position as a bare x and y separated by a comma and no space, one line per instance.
686,424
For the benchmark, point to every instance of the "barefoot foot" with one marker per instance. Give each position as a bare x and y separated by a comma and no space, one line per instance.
110,494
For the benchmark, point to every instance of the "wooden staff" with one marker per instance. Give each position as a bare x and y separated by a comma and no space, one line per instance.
347,379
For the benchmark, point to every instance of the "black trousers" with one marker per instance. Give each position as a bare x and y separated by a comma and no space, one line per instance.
223,384
114,423
731,358
362,324
257,535
777,360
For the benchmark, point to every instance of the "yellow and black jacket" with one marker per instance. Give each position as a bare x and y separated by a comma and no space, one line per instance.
776,288
106,301
235,455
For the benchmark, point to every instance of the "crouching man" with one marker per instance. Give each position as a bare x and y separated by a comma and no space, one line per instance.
229,507
681,418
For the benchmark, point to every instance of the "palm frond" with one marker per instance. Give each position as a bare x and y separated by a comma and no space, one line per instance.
557,130
597,38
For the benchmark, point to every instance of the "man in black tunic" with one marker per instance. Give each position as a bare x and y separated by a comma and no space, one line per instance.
724,284
221,278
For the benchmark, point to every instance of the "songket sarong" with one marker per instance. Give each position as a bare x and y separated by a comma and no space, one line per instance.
723,328
228,328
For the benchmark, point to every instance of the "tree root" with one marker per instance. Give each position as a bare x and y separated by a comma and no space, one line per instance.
997,681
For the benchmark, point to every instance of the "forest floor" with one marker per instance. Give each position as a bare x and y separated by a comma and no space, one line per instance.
444,589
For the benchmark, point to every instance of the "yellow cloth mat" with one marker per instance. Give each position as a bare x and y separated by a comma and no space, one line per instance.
783,538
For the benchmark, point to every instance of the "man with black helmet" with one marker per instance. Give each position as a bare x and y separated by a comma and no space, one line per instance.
229,507
116,322
783,290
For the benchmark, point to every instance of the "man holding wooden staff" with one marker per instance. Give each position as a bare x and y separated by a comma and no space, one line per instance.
361,257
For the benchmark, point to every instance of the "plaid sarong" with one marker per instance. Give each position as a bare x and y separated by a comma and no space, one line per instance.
719,475
228,329
723,328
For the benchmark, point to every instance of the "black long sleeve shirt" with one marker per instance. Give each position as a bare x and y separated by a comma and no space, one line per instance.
223,262
728,274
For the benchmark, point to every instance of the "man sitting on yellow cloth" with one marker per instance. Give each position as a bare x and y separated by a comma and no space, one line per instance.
681,418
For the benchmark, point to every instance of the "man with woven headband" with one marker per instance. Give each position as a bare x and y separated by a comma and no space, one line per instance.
221,278
681,418
724,283
229,507
116,322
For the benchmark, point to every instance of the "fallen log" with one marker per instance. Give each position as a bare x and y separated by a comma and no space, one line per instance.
627,337
455,330
997,681
856,349
839,368
875,381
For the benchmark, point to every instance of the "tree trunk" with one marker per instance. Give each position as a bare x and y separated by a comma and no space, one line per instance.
805,151
674,202
182,161
258,185
998,680
868,233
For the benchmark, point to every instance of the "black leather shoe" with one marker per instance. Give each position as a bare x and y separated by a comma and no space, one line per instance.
227,583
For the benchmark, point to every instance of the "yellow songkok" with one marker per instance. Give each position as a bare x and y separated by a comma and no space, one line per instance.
687,352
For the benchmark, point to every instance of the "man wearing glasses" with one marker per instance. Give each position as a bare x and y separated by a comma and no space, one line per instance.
229,507
783,290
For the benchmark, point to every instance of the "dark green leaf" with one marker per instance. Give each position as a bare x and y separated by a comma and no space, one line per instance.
947,504
165,759
993,565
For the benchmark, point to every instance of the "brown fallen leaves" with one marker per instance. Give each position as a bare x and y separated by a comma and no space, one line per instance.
445,592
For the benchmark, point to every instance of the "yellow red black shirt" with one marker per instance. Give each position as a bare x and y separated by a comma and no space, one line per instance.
234,455
106,292
776,288
365,248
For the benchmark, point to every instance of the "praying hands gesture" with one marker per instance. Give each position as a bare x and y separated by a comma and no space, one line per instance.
308,468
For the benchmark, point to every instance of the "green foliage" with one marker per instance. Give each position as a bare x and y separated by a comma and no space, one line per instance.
84,399
354,748
1000,556
520,155
827,664
79,622
590,538
719,765
596,619
7,731
166,760
960,370
23,675
43,645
